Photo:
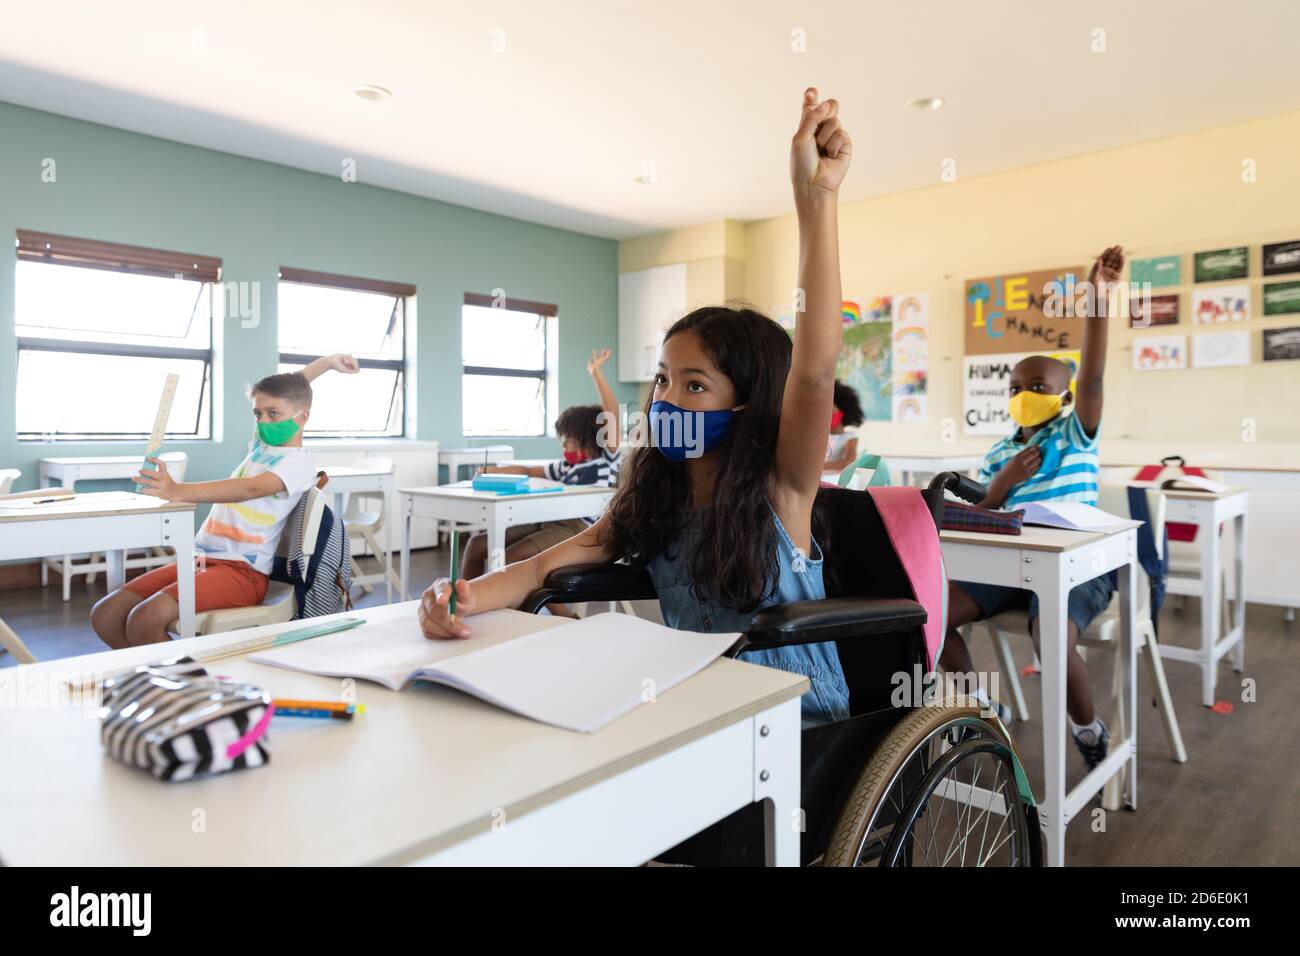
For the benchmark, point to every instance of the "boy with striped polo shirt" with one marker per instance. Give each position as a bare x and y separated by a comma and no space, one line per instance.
1051,456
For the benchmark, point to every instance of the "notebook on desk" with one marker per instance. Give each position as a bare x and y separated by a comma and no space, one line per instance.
580,675
1069,515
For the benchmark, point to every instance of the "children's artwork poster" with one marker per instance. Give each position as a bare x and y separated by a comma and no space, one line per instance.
1282,298
1022,312
1225,303
1156,353
1158,272
986,389
1160,310
911,358
1220,264
1282,344
866,355
1280,258
1222,348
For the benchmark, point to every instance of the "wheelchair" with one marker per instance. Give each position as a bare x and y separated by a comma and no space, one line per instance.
934,781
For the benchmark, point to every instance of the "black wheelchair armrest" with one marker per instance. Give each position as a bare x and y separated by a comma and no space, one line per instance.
591,582
811,622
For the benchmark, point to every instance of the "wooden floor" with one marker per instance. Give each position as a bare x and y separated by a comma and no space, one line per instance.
1234,803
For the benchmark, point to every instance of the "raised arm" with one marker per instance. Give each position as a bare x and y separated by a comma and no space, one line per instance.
609,425
1105,273
819,158
507,587
339,362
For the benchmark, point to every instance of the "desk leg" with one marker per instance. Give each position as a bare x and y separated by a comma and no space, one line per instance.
406,547
115,569
389,509
776,781
1053,642
1211,595
182,539
1128,661
496,532
1239,588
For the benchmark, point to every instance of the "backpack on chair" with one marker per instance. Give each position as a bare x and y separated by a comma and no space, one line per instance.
318,560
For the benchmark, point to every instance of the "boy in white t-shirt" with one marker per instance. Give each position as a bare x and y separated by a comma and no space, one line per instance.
249,509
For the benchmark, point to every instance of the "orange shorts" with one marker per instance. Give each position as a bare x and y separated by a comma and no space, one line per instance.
221,584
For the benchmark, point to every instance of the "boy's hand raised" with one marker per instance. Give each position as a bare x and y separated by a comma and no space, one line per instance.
598,358
1108,267
435,620
345,363
820,151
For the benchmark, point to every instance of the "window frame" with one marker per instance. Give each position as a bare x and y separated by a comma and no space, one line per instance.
401,293
543,310
74,253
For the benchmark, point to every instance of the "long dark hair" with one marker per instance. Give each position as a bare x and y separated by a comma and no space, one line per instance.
734,563
846,400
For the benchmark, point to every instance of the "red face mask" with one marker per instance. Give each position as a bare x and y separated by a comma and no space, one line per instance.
837,417
574,457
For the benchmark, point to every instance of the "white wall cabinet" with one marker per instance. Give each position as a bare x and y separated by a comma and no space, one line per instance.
648,302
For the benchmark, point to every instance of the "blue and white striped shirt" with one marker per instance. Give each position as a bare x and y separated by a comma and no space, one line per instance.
1069,469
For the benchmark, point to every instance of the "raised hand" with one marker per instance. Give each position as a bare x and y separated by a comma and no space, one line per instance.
598,358
821,149
345,363
1108,267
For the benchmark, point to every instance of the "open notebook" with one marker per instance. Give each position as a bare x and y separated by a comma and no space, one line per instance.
580,675
1070,515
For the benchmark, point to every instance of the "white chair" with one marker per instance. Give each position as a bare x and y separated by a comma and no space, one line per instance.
10,641
176,462
1103,632
7,478
363,518
279,605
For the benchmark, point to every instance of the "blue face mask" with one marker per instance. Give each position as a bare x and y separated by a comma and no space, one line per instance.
679,433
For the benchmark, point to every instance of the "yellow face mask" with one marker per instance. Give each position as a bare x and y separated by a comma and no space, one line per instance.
1034,408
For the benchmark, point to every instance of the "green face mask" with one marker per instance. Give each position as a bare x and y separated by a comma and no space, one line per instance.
277,433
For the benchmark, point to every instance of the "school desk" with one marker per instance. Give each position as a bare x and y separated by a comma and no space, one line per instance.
352,480
111,522
1208,511
65,472
427,775
454,459
1049,562
460,504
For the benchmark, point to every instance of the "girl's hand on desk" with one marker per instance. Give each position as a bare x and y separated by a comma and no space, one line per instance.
435,619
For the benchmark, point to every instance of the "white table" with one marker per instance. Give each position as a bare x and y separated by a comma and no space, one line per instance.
1050,562
112,522
906,468
428,775
351,480
65,473
1207,511
454,459
460,504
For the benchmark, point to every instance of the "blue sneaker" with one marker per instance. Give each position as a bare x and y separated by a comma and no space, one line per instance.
1094,753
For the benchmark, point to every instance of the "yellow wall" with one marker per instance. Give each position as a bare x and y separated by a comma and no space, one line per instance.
1175,195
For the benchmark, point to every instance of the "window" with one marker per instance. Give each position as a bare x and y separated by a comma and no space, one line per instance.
507,384
99,326
320,314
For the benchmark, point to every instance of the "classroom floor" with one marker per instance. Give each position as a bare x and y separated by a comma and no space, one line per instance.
1232,803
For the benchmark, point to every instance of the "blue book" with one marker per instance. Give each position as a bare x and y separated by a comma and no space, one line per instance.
502,484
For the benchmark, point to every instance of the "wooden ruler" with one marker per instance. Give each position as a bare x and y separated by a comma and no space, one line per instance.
160,423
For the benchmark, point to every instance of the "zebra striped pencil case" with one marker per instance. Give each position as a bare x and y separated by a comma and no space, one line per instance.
178,722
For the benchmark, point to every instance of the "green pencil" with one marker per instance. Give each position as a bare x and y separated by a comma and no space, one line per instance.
455,572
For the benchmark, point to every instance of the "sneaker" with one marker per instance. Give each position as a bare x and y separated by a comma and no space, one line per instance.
1094,754
1004,712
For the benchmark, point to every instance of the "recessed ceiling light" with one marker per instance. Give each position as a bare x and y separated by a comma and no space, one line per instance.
927,103
371,92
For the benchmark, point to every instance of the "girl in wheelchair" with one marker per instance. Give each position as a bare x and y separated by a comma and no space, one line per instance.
717,502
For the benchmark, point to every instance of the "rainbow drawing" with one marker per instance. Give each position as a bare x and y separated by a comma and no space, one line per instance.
850,312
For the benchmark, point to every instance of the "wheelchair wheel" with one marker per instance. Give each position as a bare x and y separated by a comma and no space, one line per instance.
940,790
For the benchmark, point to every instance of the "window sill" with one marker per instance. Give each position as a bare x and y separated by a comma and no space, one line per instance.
370,444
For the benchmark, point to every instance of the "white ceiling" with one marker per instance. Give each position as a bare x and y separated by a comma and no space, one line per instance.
556,128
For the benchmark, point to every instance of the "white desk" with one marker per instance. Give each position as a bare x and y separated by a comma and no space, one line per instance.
1050,562
454,459
349,480
65,473
1207,511
461,504
907,468
428,775
112,522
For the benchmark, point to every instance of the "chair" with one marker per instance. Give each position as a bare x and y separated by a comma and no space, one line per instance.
1103,633
279,604
874,783
364,518
7,478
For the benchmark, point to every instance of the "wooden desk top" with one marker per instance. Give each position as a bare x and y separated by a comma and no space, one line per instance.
94,505
421,770
1035,538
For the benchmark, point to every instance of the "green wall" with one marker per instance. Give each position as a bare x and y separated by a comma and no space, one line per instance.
124,187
